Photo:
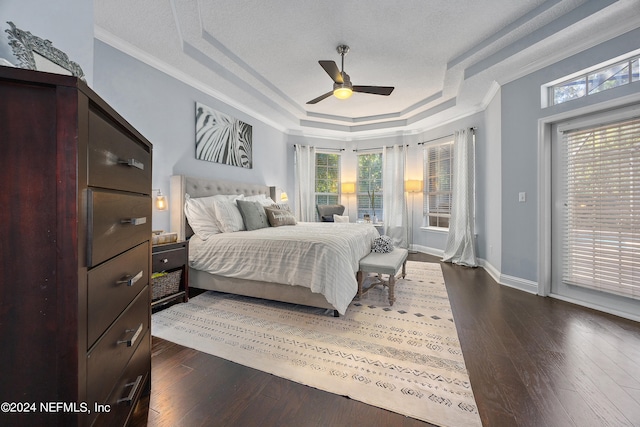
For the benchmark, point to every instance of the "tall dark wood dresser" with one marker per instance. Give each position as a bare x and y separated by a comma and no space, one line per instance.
75,231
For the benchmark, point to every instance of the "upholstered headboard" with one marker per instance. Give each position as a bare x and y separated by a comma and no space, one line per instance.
202,187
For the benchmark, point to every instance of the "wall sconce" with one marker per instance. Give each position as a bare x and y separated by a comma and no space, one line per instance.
161,200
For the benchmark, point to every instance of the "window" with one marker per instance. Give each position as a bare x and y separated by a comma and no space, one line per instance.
618,74
438,170
602,198
327,178
369,191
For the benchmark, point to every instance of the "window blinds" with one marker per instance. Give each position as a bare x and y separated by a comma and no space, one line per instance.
601,247
438,178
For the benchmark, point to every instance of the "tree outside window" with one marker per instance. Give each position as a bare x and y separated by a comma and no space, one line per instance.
327,178
370,192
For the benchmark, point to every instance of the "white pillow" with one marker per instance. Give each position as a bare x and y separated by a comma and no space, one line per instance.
262,198
228,217
340,218
201,216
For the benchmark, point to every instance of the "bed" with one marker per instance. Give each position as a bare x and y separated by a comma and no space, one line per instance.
312,264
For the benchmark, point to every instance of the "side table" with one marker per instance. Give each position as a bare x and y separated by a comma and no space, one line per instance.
171,258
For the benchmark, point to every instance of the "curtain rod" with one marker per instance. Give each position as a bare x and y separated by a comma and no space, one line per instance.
473,129
374,148
322,148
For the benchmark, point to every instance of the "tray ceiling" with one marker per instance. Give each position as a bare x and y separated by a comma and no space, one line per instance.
445,59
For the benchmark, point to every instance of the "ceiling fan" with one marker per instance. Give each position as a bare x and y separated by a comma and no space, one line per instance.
342,87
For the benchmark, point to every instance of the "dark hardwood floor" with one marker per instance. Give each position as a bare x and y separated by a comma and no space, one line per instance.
532,361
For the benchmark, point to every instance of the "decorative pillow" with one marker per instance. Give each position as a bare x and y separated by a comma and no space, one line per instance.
262,198
228,217
278,217
340,218
382,244
283,206
201,216
253,214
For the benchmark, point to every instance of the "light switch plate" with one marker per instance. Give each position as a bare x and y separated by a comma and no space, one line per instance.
522,196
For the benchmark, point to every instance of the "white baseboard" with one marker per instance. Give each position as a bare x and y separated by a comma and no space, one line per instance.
427,250
597,307
518,283
503,279
489,268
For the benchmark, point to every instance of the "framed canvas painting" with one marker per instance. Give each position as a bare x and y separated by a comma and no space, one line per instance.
222,139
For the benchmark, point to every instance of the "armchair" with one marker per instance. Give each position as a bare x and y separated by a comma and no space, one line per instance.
326,212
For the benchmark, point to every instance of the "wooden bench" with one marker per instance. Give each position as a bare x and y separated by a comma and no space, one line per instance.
383,263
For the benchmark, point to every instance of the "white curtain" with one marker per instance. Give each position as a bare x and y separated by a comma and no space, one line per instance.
394,208
460,247
305,171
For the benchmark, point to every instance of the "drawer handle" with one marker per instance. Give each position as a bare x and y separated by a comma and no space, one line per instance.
130,280
132,163
164,260
134,221
130,342
134,389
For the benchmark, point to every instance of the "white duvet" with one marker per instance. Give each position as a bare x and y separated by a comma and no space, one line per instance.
321,256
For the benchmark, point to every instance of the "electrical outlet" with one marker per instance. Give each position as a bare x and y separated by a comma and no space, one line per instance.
522,196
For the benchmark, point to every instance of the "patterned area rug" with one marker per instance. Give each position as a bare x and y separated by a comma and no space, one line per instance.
405,358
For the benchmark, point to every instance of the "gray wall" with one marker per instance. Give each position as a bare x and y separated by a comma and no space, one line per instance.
489,174
67,23
521,110
163,110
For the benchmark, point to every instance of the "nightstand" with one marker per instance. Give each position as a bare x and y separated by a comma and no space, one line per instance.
173,259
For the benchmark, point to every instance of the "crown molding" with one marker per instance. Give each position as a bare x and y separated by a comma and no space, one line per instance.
144,57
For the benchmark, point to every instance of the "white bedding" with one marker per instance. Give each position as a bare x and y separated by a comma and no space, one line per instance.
321,256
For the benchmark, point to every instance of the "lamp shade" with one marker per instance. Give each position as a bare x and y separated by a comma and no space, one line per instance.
413,186
348,187
284,197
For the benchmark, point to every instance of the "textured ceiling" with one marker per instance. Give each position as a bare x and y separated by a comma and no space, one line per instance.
445,58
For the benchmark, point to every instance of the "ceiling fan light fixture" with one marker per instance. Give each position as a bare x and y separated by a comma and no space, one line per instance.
342,92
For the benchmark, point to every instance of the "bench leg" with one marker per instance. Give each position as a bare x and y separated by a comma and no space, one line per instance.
404,268
392,286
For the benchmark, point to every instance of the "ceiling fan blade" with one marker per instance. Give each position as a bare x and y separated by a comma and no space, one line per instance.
332,69
376,90
320,98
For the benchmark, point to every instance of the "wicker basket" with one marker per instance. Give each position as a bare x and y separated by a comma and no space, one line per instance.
166,285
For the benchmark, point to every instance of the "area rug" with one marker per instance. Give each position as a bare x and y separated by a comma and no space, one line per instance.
405,358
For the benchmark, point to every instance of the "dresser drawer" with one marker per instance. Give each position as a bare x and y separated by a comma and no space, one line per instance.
131,384
117,282
116,222
112,352
115,160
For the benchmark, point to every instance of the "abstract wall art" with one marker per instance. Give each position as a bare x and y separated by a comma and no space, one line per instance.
222,139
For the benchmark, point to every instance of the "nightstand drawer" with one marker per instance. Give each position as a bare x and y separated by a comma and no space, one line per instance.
117,222
168,260
111,354
114,160
117,281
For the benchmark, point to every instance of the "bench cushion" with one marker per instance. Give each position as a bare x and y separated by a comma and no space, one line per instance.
384,263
